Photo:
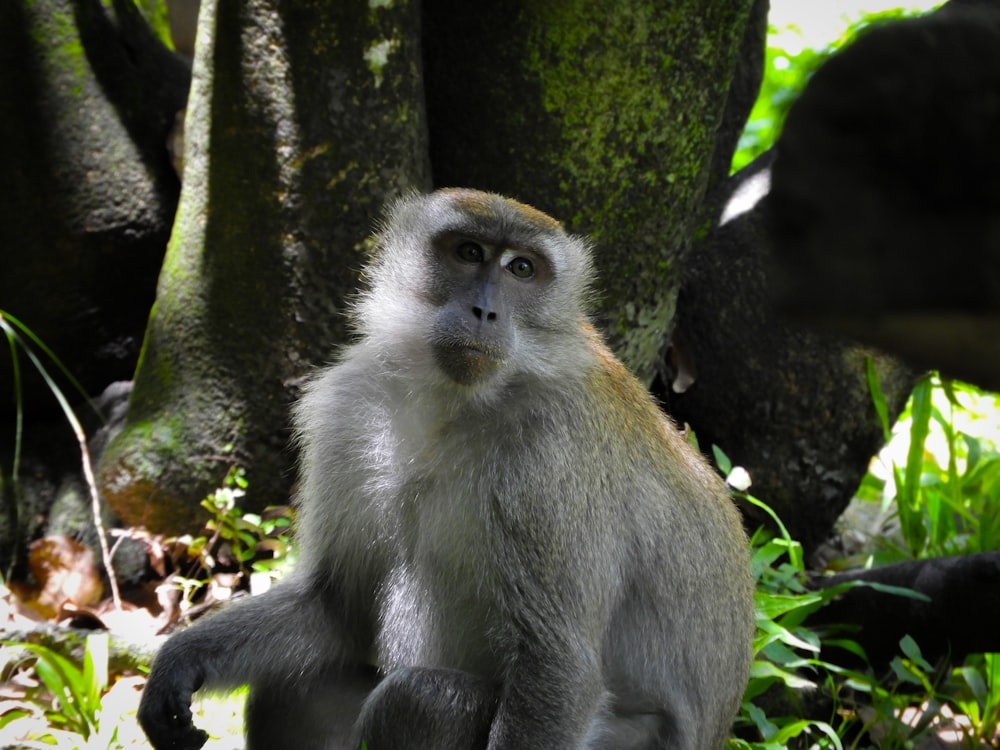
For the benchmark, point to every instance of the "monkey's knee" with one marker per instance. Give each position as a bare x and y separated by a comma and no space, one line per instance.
422,707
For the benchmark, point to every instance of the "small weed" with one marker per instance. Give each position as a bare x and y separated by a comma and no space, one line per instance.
68,697
254,547
940,472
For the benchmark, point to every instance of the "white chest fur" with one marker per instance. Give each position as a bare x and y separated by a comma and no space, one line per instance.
441,494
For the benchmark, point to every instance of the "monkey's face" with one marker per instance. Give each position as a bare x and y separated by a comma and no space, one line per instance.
483,288
490,282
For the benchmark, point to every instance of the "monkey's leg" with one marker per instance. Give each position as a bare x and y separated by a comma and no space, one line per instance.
309,714
430,709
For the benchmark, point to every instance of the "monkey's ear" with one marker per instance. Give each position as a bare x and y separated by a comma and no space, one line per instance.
680,365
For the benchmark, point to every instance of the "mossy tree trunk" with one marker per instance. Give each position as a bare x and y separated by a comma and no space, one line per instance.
605,116
305,116
87,97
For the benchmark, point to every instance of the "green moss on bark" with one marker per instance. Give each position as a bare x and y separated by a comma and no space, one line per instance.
604,116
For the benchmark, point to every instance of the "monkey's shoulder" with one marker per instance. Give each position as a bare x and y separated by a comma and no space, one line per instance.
635,432
620,403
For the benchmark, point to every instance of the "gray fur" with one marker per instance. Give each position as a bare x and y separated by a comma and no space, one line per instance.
535,557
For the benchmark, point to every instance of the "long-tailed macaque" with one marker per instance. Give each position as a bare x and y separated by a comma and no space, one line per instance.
504,542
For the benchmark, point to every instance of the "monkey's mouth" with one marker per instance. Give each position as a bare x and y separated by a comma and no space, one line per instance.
466,361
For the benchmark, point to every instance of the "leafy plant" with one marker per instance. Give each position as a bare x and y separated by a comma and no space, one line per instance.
785,650
960,704
942,471
943,479
789,675
256,547
247,534
974,690
69,696
84,707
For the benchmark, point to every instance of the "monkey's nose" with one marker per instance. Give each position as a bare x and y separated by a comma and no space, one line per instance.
483,314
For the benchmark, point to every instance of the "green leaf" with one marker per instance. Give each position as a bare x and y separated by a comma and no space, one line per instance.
9,323
64,681
796,728
897,590
7,717
974,679
722,460
762,668
920,417
772,606
95,671
794,549
878,398
760,720
910,648
848,645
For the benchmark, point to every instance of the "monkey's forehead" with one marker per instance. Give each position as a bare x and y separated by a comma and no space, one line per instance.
490,205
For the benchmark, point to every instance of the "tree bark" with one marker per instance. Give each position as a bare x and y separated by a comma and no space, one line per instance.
605,117
863,199
217,369
87,96
790,405
305,118
892,235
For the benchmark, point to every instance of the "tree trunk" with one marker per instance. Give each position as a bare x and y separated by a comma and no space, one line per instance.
892,235
604,116
87,97
305,118
790,405
866,228
324,114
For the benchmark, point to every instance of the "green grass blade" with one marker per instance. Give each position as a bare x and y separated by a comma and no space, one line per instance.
15,366
878,398
65,681
20,329
920,419
95,670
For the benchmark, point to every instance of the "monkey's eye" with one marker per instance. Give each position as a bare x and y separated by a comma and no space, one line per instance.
470,252
522,268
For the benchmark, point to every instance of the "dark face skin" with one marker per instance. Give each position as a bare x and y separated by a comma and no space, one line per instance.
488,282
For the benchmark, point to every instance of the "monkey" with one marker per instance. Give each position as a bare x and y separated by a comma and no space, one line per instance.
504,542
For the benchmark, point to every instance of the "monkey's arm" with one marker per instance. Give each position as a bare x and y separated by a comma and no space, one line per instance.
284,634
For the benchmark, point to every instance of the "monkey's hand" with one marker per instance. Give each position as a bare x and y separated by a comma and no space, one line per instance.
165,708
